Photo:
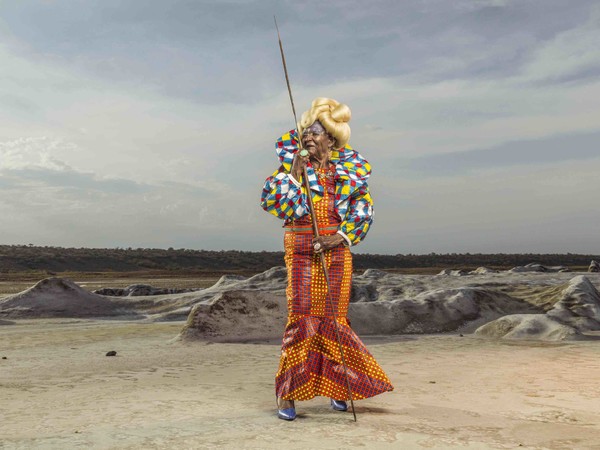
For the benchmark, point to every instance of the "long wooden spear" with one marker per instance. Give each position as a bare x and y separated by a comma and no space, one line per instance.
315,224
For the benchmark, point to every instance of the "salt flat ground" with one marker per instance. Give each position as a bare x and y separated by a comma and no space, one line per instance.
58,390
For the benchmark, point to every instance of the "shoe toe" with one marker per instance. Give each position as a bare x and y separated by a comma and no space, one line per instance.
339,405
287,413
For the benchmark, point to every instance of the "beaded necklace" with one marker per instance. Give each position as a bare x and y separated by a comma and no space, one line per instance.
325,174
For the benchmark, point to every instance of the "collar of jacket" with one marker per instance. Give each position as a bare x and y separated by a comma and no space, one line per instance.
351,170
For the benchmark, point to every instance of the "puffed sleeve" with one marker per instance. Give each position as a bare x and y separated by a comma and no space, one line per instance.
282,196
353,199
359,216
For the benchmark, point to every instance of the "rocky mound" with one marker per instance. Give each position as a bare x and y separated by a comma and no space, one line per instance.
578,305
528,326
454,273
239,309
483,271
136,290
272,281
439,310
57,297
575,311
535,267
531,267
387,304
237,316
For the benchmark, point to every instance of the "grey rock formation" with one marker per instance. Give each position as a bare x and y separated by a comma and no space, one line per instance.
257,314
439,310
578,305
376,285
274,279
384,304
57,297
535,267
136,290
374,273
363,291
238,308
228,280
237,316
478,271
453,272
528,326
483,271
574,310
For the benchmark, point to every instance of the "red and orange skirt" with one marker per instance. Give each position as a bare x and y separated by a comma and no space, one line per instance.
311,363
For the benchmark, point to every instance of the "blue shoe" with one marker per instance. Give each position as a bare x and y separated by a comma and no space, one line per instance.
339,405
286,413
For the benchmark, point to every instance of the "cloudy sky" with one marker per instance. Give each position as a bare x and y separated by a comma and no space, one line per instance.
151,123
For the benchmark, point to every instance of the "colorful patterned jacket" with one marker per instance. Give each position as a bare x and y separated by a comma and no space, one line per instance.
285,198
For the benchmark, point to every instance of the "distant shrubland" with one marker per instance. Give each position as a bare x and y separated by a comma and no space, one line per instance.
24,258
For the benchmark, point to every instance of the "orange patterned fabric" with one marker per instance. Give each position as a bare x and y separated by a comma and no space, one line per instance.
311,363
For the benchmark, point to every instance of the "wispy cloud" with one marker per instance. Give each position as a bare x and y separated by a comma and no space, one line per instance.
152,123
550,150
569,56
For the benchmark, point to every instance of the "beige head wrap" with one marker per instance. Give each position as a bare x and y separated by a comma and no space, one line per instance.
333,115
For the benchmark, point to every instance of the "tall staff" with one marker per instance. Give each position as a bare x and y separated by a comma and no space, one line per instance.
315,226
